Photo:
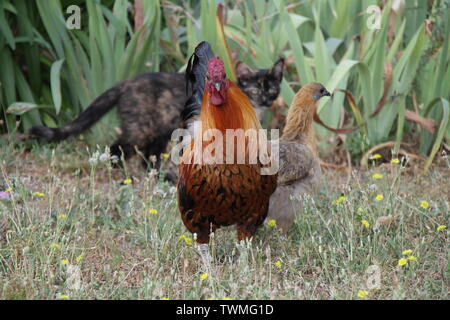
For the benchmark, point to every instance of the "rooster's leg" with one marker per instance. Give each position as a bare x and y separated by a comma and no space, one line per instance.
203,248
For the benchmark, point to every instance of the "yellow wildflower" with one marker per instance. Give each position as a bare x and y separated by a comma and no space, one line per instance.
379,197
79,258
272,223
64,297
9,190
402,262
411,258
39,194
377,176
278,264
226,298
365,223
204,276
187,240
375,156
165,298
362,294
407,252
441,227
165,156
395,161
152,211
424,204
339,200
62,216
64,262
127,181
55,246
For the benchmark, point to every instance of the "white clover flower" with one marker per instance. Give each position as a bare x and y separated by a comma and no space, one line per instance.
104,157
93,161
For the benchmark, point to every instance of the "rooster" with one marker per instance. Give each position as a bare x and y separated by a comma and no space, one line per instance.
299,171
212,195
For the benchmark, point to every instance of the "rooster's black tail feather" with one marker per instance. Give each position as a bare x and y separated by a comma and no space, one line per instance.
195,78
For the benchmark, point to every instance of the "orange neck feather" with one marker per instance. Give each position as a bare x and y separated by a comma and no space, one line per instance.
236,113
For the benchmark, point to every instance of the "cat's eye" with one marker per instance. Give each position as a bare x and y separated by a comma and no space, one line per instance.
254,91
272,91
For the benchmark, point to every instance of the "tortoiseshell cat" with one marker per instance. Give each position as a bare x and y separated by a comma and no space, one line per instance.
262,86
150,105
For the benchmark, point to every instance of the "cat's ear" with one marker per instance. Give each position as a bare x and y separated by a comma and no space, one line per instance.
243,70
277,69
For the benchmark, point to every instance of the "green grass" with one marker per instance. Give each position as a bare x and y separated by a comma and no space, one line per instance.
128,253
50,73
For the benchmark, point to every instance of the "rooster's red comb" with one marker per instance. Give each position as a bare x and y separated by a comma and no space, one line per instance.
216,68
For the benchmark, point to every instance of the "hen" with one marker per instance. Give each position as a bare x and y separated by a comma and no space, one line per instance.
299,171
212,194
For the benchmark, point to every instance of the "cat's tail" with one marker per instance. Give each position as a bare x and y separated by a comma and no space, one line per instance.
85,120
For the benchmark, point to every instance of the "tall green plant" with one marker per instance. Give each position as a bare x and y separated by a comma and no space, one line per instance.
81,63
49,73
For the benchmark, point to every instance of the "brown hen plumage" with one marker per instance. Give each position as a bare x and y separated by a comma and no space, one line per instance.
299,172
212,195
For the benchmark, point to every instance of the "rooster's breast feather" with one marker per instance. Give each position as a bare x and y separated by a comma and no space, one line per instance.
224,194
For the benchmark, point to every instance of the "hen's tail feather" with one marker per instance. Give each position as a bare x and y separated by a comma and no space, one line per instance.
85,120
195,78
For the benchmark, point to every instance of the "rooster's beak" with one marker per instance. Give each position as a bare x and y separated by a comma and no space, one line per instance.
217,85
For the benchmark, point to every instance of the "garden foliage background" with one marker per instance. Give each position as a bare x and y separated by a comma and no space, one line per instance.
398,69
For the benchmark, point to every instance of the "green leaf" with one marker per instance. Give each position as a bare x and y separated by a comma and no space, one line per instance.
55,84
4,28
304,70
20,108
339,73
441,132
